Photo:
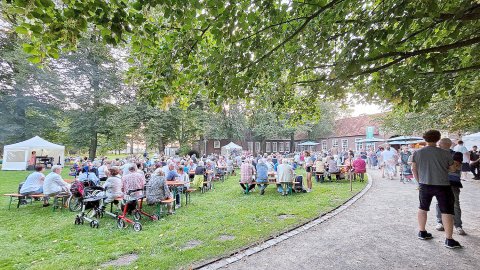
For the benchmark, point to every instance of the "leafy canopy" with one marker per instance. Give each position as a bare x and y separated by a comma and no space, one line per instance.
280,53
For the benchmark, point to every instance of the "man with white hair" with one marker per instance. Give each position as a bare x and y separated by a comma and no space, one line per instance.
284,176
54,184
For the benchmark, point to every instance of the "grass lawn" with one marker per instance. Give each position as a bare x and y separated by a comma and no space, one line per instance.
219,222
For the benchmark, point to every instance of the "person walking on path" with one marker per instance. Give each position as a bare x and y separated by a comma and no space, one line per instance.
456,185
430,165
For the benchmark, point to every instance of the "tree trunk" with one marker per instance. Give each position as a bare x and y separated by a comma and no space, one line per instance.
93,146
292,142
161,145
131,146
263,146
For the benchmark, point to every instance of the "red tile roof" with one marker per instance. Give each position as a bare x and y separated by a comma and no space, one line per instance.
355,126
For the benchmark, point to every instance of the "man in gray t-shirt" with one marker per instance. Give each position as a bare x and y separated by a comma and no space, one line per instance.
430,166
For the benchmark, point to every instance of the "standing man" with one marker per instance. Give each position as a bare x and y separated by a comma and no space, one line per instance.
466,159
430,166
475,163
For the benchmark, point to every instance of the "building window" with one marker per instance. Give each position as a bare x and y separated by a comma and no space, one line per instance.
334,142
344,144
257,147
358,145
268,147
274,146
287,147
216,144
250,147
324,145
280,147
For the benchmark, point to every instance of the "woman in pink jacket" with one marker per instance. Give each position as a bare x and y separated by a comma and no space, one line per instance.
359,167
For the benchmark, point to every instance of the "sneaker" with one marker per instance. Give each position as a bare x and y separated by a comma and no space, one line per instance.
460,231
262,192
439,227
309,190
46,205
450,243
424,235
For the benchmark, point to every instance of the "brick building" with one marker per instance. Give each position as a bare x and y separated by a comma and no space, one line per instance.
348,131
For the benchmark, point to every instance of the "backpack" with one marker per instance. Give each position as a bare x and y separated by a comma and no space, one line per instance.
77,188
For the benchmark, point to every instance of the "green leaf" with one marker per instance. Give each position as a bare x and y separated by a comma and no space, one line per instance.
21,30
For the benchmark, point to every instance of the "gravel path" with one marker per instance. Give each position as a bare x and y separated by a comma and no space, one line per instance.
377,232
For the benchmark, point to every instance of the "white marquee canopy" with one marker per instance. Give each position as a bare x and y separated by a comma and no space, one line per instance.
16,156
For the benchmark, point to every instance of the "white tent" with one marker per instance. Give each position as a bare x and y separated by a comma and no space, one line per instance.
16,156
229,148
471,140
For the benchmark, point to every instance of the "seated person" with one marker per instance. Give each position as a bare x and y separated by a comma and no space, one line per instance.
247,172
183,176
34,182
157,189
134,180
54,184
332,167
199,177
360,167
285,176
319,169
88,177
262,175
171,173
113,185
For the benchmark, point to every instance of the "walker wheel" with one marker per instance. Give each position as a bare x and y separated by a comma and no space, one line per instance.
137,226
137,215
121,223
94,224
77,220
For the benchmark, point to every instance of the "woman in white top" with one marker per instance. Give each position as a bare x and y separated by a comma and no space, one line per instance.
103,171
113,185
34,182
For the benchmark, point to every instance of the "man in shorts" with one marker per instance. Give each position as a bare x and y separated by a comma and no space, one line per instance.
430,166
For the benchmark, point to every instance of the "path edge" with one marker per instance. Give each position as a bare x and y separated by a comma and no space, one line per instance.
274,240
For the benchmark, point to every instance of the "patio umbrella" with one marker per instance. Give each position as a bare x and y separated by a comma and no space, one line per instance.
404,139
309,143
405,142
371,140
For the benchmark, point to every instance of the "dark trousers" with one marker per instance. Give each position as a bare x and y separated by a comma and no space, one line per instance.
475,168
250,187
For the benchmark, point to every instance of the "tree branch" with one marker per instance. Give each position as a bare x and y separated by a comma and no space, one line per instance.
295,33
451,71
268,27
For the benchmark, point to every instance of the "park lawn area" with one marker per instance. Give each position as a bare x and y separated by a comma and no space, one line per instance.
34,237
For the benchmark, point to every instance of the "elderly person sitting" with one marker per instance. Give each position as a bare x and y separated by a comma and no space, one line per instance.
359,167
246,175
285,176
319,170
157,189
113,185
133,181
54,184
88,177
262,175
199,177
332,167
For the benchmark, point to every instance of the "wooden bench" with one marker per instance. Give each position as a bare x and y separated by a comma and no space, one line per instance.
60,201
188,195
290,185
20,197
163,204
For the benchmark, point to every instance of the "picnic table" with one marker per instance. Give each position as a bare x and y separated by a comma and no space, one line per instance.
175,185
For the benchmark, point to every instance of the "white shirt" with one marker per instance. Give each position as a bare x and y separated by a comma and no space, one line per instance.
284,173
388,154
462,149
101,171
54,184
33,182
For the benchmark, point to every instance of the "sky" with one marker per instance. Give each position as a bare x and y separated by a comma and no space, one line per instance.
359,109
